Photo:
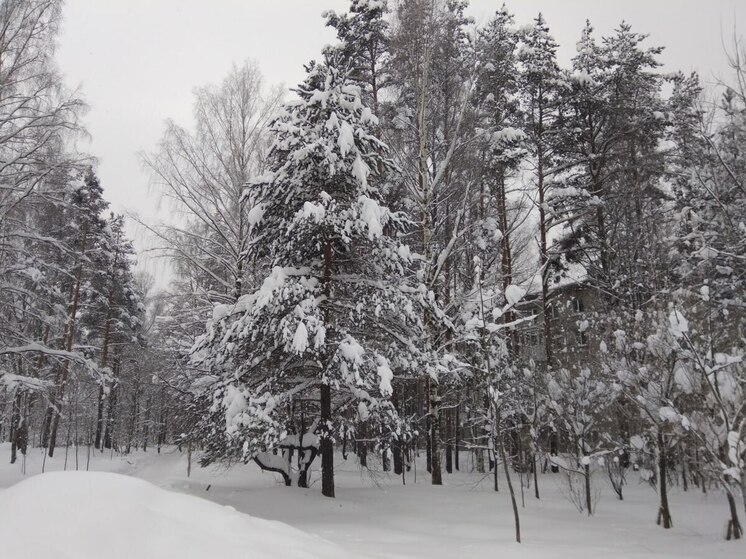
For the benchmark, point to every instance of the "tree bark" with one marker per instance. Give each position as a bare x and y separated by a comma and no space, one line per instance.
325,400
437,476
588,499
735,531
55,407
101,391
327,444
664,513
448,442
15,423
516,517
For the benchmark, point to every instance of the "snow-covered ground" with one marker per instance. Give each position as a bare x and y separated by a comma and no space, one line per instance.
373,515
92,515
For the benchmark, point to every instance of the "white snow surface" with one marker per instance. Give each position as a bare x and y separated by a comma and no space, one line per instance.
513,294
94,515
300,339
374,515
678,325
256,214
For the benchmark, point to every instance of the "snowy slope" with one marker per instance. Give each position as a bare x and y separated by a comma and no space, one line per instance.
95,515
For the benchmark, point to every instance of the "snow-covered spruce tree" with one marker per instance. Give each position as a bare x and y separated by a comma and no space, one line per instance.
316,344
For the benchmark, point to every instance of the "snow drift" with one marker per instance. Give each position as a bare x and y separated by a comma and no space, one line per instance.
95,515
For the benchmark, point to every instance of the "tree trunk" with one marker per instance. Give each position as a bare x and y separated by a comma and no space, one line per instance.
664,513
111,416
133,419
428,428
100,417
361,445
397,452
448,442
146,425
516,517
327,444
56,406
15,423
325,396
101,391
734,526
437,476
457,438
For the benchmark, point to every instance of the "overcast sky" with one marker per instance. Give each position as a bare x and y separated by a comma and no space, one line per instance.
137,61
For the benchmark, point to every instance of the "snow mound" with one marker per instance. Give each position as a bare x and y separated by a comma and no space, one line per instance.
94,515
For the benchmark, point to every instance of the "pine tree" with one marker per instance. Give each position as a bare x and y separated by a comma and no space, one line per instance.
115,311
86,229
316,345
540,89
613,124
362,35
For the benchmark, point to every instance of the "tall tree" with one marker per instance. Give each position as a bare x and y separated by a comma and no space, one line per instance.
204,176
540,95
332,321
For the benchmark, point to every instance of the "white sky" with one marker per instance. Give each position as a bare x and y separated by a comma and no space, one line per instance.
137,61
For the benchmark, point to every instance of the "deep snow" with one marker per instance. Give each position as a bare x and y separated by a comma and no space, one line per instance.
91,515
375,514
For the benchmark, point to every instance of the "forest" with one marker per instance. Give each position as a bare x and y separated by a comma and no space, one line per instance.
442,250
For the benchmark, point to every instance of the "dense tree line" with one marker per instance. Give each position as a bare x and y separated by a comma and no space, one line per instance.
441,242
73,372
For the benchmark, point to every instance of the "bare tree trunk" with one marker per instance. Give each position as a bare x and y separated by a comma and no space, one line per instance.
437,477
15,422
588,499
735,531
448,442
146,424
133,417
428,427
101,391
327,444
457,438
516,517
664,513
325,403
111,416
56,406
361,445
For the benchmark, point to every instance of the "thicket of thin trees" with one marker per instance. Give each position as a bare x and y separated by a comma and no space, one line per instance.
358,262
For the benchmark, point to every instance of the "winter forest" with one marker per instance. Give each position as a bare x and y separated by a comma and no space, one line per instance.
446,297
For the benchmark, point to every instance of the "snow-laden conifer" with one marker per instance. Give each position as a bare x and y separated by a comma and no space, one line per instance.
315,347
